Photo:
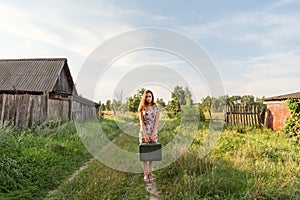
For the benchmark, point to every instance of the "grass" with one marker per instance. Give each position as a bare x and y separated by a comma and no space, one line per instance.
246,163
258,164
98,181
101,182
36,160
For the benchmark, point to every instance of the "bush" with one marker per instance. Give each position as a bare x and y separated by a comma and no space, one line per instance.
292,125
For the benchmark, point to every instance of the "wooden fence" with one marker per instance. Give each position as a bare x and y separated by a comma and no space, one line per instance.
23,110
245,115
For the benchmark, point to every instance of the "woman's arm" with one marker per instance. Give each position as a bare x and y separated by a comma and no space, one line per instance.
142,124
155,125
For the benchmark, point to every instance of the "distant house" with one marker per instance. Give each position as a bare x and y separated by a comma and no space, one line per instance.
278,111
35,90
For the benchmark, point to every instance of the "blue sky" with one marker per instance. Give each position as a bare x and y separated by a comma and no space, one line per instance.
255,45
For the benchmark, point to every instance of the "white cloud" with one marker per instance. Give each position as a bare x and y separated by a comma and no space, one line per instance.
266,75
75,29
269,30
279,64
281,3
265,29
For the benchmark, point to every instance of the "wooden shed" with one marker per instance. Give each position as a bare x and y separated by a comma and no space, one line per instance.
278,111
35,90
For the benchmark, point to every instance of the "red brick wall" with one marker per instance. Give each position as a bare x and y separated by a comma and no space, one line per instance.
277,115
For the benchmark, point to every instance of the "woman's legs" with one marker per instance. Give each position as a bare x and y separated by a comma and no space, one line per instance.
148,166
150,171
145,168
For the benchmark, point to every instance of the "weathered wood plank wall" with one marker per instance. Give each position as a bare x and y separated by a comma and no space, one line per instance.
24,110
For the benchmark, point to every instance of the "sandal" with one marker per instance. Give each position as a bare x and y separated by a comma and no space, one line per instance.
146,177
150,177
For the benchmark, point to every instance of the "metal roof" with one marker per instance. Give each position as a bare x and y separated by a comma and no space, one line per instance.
84,101
32,75
295,95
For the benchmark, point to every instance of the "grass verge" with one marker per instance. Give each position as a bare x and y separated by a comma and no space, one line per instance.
36,160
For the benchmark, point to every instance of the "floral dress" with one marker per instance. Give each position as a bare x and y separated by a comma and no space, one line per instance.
149,117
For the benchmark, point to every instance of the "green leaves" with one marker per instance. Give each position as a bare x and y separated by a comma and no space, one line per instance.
292,125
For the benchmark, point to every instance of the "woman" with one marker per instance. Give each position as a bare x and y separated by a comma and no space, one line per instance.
148,115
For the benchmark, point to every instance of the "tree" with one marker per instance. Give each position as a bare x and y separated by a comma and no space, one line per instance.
179,94
108,105
247,100
201,113
133,102
173,108
219,104
188,96
235,100
206,105
103,106
116,106
160,102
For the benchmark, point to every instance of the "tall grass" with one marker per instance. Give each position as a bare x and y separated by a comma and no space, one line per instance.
98,181
255,164
36,160
246,163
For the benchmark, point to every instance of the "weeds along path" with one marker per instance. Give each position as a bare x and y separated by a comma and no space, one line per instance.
83,167
93,180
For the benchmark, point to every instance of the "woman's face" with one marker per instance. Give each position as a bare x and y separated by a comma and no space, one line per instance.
148,98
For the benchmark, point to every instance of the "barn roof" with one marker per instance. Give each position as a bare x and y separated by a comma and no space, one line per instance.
284,97
32,75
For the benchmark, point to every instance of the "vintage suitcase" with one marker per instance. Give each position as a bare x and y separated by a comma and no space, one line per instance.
150,152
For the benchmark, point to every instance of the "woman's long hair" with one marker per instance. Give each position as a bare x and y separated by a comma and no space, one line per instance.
143,102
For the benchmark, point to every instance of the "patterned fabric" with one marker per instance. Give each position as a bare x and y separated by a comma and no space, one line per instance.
149,116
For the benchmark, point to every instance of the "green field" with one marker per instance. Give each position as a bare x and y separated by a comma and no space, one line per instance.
246,163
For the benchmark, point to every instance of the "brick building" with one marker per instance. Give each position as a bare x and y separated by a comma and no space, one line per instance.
278,111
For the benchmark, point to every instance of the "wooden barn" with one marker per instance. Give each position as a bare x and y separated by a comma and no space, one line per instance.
278,111
35,90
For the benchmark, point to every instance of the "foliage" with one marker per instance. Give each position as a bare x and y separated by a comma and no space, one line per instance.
218,104
201,114
133,102
188,97
103,107
108,105
184,96
160,103
180,97
98,181
117,106
206,105
101,182
179,94
292,125
173,108
34,161
258,164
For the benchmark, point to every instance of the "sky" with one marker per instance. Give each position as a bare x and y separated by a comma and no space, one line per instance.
254,45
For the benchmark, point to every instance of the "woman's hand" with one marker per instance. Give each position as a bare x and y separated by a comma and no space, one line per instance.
145,138
152,137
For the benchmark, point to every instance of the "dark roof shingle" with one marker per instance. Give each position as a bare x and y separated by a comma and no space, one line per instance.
37,75
295,95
